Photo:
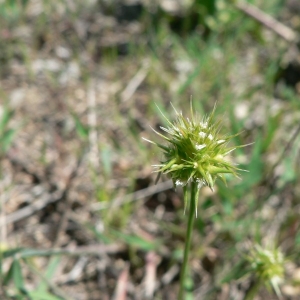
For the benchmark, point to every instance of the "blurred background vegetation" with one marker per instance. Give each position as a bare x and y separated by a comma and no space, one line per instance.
81,217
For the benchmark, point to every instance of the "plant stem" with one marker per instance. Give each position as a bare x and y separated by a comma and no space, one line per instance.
252,291
191,217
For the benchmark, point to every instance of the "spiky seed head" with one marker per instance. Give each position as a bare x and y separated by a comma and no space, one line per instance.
267,264
195,151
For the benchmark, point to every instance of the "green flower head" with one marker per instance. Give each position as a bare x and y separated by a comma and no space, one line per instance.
195,151
268,266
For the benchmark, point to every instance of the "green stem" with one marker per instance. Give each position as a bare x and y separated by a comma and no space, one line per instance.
191,217
252,291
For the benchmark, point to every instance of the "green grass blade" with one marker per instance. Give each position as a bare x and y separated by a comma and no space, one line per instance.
6,116
17,274
7,138
42,295
82,131
136,241
49,274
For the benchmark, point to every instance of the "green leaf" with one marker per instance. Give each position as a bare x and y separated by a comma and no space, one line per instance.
17,274
6,116
10,9
100,236
27,252
81,130
7,138
14,273
136,241
11,252
42,295
8,276
106,160
49,274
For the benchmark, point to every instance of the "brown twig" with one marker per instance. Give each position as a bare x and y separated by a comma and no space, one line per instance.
29,210
141,194
280,29
46,199
121,288
152,260
135,82
96,250
67,204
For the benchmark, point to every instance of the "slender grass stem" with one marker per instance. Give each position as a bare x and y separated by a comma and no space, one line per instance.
252,291
191,217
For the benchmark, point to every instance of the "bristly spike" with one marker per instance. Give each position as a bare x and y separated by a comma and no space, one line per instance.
214,109
174,109
191,109
164,115
160,134
149,141
195,151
